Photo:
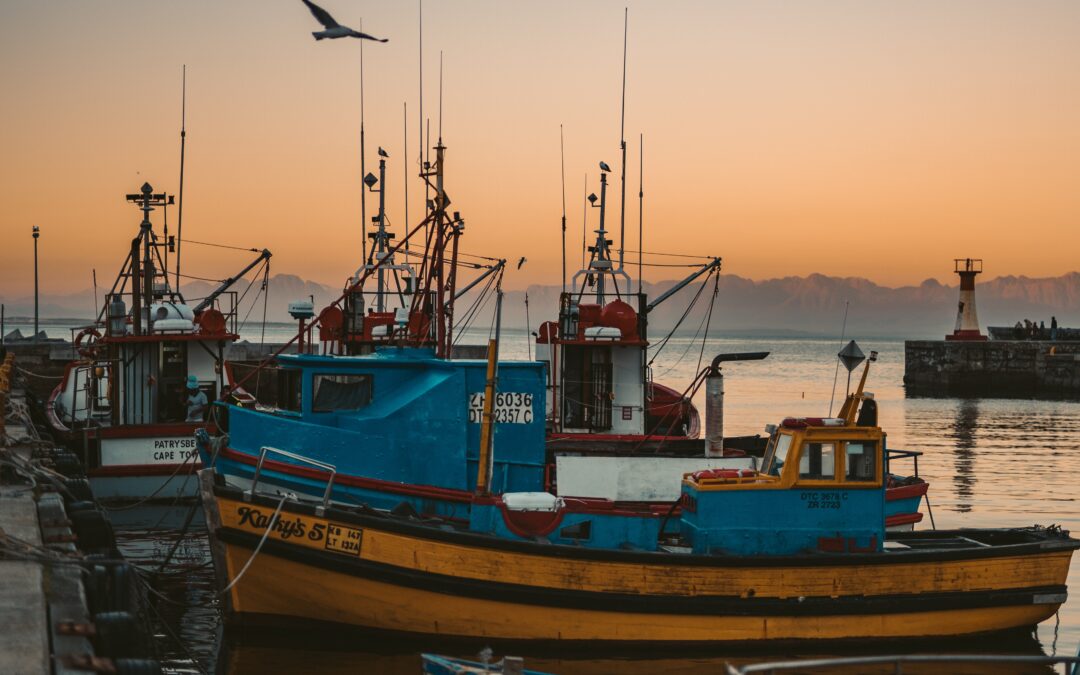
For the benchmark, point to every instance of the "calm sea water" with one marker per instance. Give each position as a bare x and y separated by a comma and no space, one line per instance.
991,463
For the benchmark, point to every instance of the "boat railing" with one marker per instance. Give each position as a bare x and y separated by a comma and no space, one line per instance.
330,468
1071,664
913,455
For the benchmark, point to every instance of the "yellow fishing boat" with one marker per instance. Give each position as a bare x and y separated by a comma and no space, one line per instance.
797,551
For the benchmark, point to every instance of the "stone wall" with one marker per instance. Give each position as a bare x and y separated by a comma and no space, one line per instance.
992,368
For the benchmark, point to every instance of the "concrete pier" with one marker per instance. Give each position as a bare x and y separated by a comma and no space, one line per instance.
992,367
44,612
24,642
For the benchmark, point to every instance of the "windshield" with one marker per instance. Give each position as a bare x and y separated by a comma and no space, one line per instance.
777,454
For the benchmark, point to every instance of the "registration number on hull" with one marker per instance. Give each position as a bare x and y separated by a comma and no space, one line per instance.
341,539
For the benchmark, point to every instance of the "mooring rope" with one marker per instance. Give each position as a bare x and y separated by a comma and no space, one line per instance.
255,553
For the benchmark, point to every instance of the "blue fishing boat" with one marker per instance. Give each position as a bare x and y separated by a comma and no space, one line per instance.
379,398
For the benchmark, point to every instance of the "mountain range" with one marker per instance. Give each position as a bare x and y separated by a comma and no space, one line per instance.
813,304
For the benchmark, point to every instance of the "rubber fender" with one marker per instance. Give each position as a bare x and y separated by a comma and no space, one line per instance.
68,464
122,582
79,489
117,635
137,667
96,582
93,530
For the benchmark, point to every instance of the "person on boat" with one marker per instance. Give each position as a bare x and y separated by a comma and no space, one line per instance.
196,400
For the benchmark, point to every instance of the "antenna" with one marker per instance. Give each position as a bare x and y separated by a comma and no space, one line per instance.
94,272
641,215
363,166
562,159
440,97
420,119
405,165
843,334
584,218
622,143
183,140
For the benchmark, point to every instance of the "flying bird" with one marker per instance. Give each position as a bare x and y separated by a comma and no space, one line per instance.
333,28
521,262
603,165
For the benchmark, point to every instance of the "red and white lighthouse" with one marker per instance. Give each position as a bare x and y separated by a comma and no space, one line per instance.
967,318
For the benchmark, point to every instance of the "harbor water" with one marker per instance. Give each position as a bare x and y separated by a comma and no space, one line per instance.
991,462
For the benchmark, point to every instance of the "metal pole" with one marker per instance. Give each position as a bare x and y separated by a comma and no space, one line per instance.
37,233
363,167
381,297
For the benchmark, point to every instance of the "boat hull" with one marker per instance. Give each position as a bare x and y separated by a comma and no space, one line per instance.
384,574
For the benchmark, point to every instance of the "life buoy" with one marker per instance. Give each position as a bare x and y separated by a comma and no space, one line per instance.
91,336
723,474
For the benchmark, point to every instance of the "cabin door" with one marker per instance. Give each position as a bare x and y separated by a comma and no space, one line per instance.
602,394
172,404
587,388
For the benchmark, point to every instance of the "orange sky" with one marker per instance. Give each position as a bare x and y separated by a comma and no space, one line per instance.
875,139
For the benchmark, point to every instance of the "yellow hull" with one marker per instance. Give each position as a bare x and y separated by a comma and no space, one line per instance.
375,573
286,589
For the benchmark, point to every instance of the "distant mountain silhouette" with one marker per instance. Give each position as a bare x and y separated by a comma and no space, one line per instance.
813,304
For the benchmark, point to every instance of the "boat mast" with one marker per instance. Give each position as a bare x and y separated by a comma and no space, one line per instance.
562,160
622,144
183,142
641,217
380,237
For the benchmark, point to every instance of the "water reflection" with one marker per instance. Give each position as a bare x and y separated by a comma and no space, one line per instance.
330,655
963,434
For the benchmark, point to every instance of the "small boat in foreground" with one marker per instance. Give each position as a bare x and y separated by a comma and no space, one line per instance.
447,665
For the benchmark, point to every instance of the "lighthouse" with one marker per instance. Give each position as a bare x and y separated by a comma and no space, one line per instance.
967,319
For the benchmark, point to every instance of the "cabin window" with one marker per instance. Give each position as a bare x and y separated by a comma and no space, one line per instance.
818,461
340,392
288,388
777,454
861,459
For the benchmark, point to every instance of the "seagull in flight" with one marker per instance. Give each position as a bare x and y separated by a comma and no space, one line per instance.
333,28
521,262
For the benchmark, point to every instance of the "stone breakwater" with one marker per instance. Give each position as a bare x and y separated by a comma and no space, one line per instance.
992,368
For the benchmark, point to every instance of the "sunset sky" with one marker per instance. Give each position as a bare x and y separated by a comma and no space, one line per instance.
874,139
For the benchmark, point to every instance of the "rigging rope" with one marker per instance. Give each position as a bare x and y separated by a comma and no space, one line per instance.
663,343
206,243
671,255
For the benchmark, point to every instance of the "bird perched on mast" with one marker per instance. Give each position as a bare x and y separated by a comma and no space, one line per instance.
333,28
